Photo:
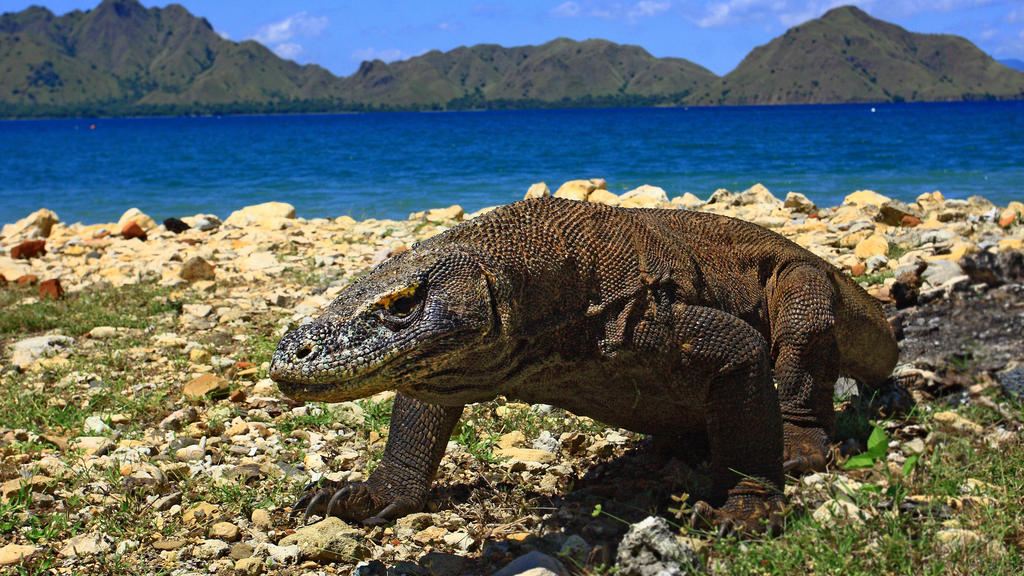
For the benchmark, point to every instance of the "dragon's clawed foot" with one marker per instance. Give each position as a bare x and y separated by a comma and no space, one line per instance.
807,449
741,516
352,501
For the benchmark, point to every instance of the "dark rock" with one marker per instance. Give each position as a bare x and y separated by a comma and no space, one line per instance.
196,268
893,212
3,281
907,288
405,568
51,289
28,280
176,225
29,249
1012,382
371,568
994,269
442,564
650,548
133,230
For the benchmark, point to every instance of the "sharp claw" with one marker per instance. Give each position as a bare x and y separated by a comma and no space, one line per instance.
794,464
337,501
299,506
313,507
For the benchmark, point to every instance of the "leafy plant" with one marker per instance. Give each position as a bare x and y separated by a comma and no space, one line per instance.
878,445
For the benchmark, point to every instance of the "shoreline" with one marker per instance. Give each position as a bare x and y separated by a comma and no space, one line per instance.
867,234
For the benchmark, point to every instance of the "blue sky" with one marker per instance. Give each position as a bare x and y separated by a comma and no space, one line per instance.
717,34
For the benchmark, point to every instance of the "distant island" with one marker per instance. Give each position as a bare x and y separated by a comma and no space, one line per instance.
123,59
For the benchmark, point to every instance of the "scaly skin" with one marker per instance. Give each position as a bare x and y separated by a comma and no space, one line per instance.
661,321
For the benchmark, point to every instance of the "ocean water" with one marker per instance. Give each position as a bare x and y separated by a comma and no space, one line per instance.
387,165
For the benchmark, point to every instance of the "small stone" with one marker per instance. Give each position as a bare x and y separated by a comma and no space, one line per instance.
651,548
260,518
51,289
797,202
133,230
211,549
430,534
169,544
165,503
29,249
84,545
250,566
102,332
15,554
195,268
652,194
511,439
452,213
96,426
175,225
833,512
909,221
225,531
532,561
241,550
286,555
538,190
200,513
27,280
526,455
92,445
957,423
871,246
858,270
25,352
575,190
207,384
330,540
190,453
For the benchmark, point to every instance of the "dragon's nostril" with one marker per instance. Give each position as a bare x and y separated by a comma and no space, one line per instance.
304,352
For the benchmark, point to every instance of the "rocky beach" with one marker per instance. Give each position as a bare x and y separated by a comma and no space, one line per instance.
140,433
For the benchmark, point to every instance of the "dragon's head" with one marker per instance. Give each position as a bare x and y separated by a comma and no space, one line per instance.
421,316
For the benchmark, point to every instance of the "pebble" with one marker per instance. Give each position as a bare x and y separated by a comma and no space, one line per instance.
535,564
225,531
330,540
211,549
16,554
84,545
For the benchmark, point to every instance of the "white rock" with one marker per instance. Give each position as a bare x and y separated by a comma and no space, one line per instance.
27,351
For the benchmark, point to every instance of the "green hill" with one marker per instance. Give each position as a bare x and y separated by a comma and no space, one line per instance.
561,71
124,59
848,56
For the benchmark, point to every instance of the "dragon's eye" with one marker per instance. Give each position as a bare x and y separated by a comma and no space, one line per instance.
402,303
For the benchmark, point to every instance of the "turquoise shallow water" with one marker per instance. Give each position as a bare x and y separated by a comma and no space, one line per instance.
387,165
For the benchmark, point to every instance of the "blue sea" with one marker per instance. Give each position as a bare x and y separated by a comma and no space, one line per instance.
388,165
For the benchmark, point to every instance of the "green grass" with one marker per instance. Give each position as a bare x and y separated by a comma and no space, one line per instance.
126,307
895,541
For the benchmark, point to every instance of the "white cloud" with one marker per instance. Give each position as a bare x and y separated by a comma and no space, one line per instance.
648,8
605,10
388,55
223,34
296,25
566,10
288,50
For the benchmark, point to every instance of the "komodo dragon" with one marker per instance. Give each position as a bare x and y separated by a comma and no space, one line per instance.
665,322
